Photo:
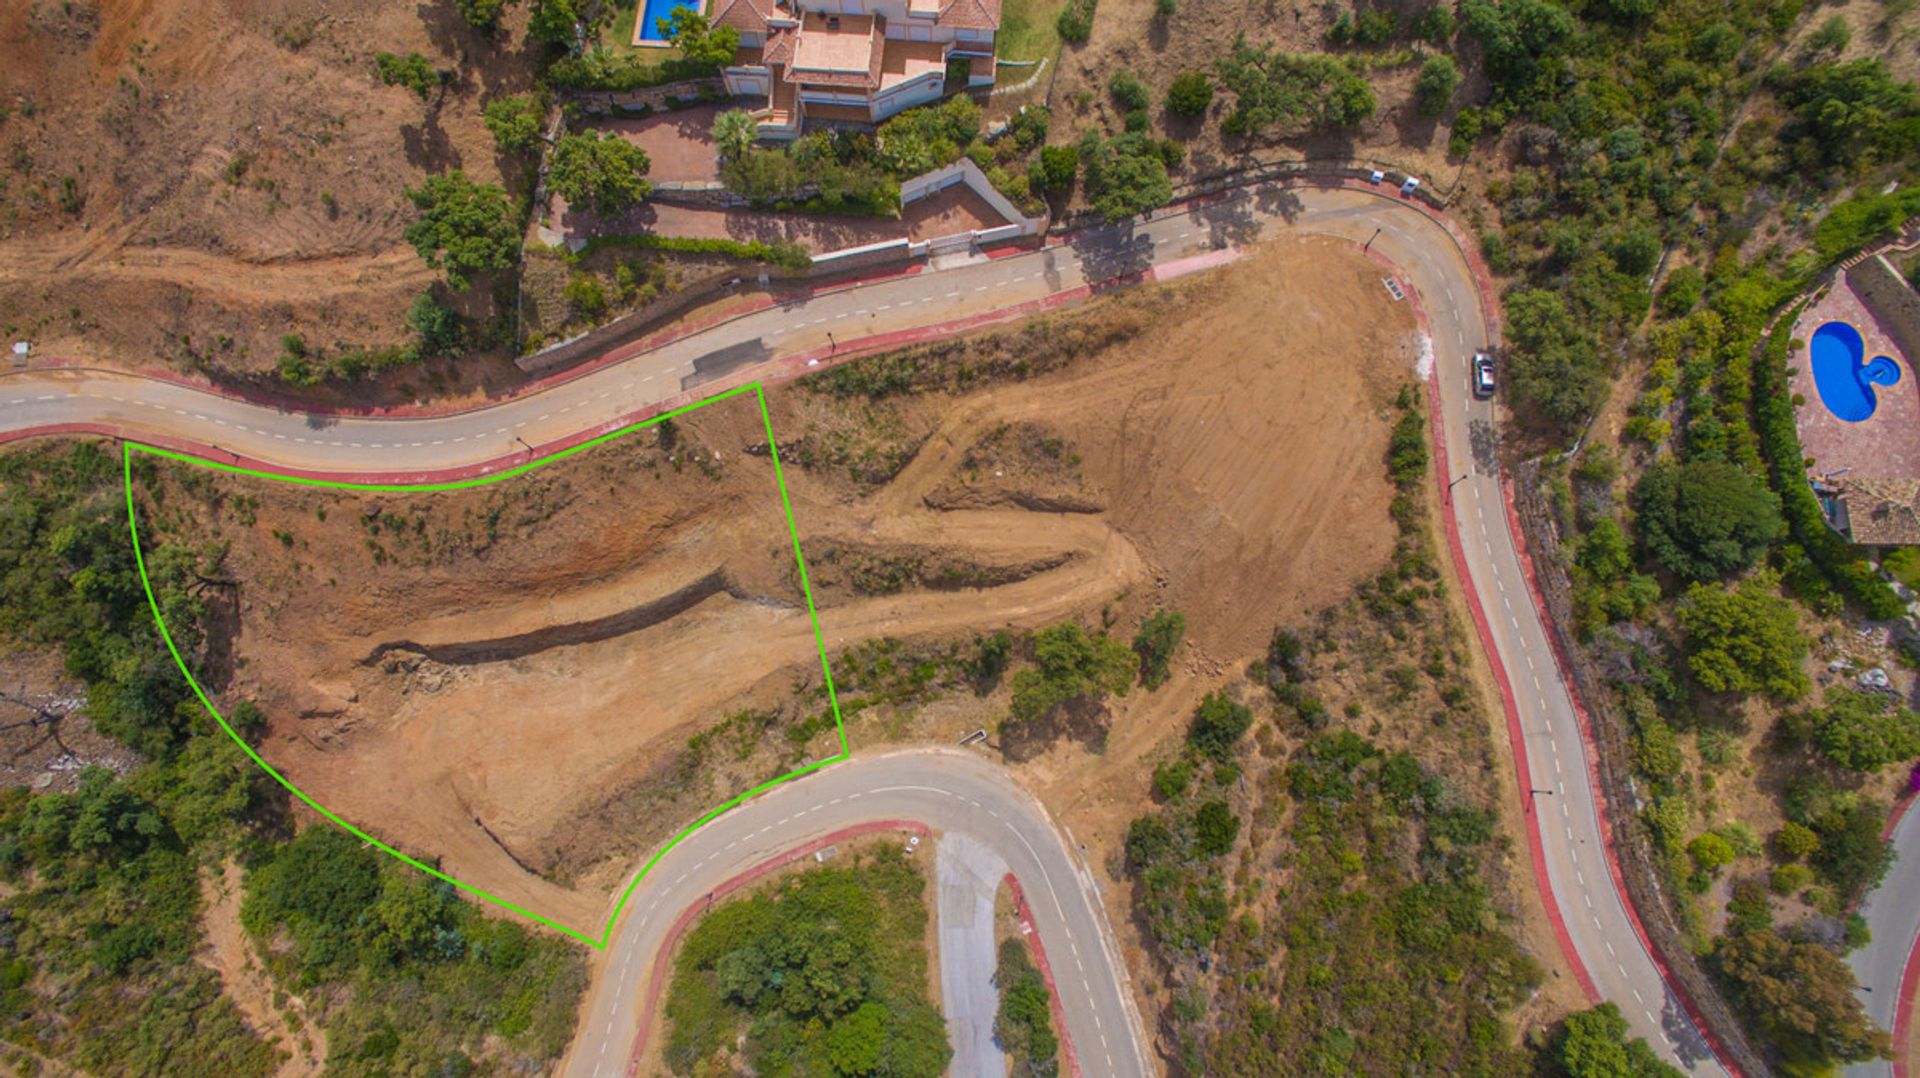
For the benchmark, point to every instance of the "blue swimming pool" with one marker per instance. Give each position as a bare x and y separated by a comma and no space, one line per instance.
1846,382
653,12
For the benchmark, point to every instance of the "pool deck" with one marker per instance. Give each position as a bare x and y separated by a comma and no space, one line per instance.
1887,443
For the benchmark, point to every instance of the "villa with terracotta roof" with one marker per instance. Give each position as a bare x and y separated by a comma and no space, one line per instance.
855,61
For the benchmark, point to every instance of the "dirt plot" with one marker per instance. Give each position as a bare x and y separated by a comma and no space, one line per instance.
182,174
538,681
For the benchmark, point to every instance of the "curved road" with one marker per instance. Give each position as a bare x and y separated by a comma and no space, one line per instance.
955,792
1889,965
1426,257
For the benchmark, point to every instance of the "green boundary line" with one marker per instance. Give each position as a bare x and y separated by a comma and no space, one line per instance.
128,449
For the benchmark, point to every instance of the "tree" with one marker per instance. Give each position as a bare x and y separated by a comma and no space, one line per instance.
436,324
1832,36
412,71
1127,89
702,45
1215,828
1056,166
1594,1044
1159,635
1682,290
1864,732
734,133
1071,665
482,15
916,1043
1705,518
1552,365
855,1041
1852,113
1604,554
1710,853
1436,24
592,167
557,22
1518,37
1744,640
515,121
1281,89
1218,725
1803,995
1190,94
465,228
1125,175
1438,79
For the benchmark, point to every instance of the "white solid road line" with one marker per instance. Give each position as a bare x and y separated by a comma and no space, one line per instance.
1434,267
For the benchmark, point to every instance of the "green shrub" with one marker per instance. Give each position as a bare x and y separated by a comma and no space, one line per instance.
1128,90
1434,87
1218,725
412,71
1190,94
1790,879
1159,635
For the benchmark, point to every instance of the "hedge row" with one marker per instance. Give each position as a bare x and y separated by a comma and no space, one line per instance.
1786,463
782,253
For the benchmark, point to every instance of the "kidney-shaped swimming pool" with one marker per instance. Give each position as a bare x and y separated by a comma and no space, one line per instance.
1844,381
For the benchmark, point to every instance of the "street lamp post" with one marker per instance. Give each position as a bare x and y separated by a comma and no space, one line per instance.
1368,246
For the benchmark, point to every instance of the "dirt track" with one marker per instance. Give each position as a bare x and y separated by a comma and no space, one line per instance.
495,766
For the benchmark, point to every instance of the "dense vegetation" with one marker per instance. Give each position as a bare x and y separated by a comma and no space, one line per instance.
1024,1024
102,919
849,172
821,974
1321,898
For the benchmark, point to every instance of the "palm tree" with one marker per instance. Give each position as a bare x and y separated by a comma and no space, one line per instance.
733,132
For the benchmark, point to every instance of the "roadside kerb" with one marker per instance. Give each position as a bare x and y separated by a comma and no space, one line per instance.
1563,670
129,449
1032,940
1509,704
657,975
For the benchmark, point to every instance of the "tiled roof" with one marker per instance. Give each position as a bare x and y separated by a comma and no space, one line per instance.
970,14
847,55
747,15
1883,511
779,48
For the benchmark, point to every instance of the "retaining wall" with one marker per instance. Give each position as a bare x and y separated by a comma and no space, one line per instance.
1631,844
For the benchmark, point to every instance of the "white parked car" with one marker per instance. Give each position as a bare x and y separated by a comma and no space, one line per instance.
1483,386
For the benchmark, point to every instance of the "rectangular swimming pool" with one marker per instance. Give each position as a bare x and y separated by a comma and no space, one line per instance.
655,10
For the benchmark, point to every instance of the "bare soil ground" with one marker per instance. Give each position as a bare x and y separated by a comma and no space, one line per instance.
279,1017
508,678
182,174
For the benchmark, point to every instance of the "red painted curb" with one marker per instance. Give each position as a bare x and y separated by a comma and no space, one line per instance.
1601,807
1910,975
1903,1010
1516,736
621,353
1040,962
657,974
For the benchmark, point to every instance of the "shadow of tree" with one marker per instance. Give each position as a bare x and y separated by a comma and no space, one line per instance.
427,145
1108,253
1082,719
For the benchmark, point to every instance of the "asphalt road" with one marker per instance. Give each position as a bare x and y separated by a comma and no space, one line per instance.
1892,911
967,876
1427,259
955,791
